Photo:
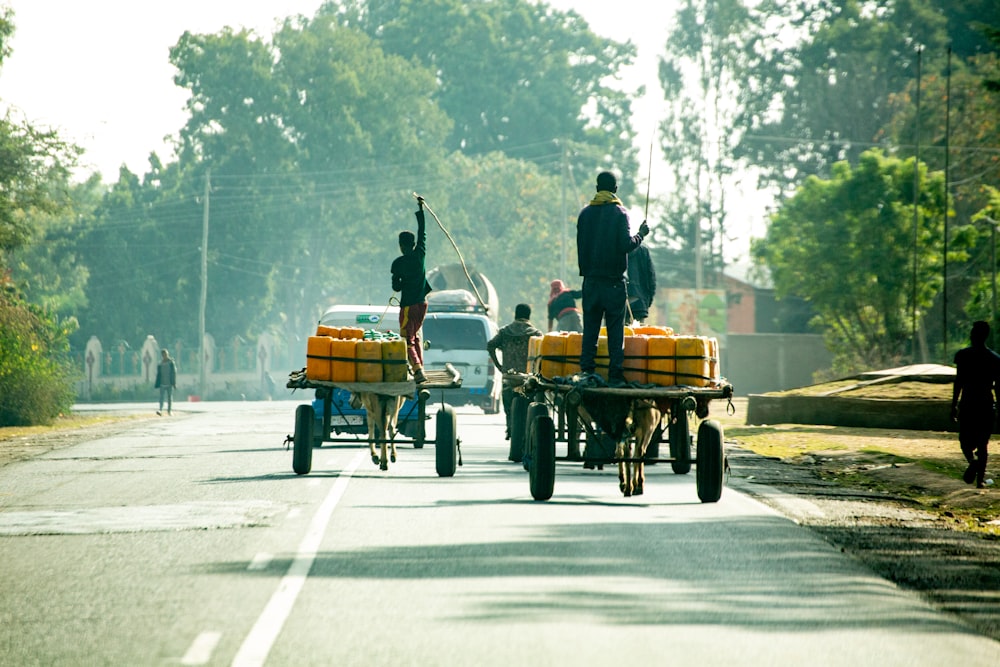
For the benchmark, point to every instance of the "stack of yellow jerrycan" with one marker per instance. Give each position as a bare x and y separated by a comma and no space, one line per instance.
653,355
351,354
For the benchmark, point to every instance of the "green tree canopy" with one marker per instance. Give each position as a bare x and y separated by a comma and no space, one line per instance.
847,245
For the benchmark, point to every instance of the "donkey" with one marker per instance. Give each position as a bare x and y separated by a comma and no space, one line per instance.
382,412
643,419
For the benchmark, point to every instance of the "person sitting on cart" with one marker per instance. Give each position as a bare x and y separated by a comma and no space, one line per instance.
512,341
602,245
562,307
409,278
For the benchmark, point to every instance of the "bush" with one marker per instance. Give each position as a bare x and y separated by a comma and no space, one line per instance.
36,376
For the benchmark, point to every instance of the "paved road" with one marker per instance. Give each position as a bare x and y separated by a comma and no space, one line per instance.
189,540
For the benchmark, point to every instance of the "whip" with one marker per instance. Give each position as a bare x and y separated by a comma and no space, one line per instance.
465,269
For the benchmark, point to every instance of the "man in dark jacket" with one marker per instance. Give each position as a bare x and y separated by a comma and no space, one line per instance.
641,283
602,246
512,341
166,381
409,278
973,400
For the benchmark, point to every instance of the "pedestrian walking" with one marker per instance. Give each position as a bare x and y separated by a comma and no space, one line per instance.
512,342
166,381
973,401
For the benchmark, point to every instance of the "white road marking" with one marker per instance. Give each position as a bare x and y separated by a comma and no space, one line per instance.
260,561
294,513
200,651
258,643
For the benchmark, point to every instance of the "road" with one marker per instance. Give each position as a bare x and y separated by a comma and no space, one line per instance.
189,540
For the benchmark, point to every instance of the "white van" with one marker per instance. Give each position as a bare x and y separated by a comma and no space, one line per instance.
456,330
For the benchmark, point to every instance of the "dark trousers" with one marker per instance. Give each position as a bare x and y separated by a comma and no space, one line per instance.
604,300
507,396
974,429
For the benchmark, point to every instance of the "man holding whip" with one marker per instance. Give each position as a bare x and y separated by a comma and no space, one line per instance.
602,245
409,278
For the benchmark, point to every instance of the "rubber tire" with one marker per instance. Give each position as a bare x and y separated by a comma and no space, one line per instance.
302,441
535,409
680,445
711,462
518,427
445,442
542,471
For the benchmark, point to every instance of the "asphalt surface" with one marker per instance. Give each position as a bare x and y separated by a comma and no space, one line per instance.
189,540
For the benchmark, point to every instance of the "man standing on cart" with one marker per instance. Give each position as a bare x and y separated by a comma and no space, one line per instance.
409,278
602,245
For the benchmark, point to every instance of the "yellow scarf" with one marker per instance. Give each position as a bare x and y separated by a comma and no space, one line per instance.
605,197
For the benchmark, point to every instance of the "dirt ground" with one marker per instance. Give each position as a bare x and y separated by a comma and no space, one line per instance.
894,500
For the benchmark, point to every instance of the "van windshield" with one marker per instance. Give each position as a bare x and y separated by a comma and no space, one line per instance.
451,333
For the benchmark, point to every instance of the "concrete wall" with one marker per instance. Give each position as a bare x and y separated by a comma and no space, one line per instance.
759,363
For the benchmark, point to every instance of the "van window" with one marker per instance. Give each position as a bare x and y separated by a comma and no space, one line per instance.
451,333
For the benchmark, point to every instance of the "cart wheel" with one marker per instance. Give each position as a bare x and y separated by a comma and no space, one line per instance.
302,444
518,415
542,470
535,409
445,443
680,443
711,462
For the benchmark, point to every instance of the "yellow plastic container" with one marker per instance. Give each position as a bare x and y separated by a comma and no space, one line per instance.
352,332
692,361
344,368
326,330
714,361
636,349
534,352
318,358
394,360
629,331
369,353
653,330
571,360
602,361
661,363
553,350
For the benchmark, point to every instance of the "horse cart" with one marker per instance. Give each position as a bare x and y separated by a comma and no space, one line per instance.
544,411
328,419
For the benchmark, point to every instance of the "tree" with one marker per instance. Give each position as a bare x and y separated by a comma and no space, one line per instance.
35,377
846,245
707,48
515,76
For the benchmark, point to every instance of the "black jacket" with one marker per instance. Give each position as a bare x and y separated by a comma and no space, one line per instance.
603,242
641,277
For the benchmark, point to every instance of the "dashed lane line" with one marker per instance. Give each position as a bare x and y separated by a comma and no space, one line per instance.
256,646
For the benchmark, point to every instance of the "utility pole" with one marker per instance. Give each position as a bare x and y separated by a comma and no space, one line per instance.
565,215
916,215
204,286
947,147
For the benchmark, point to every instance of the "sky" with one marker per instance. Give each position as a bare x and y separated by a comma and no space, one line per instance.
98,71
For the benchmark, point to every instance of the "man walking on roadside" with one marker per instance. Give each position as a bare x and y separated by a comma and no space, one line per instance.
512,341
973,400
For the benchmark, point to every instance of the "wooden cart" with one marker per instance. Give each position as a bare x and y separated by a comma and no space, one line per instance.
544,412
448,453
